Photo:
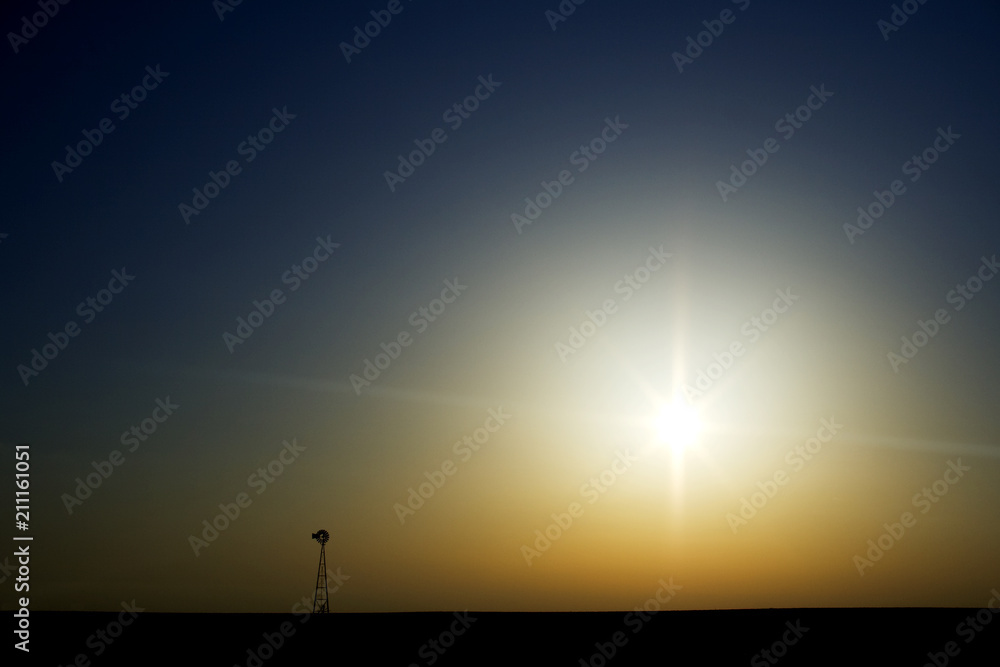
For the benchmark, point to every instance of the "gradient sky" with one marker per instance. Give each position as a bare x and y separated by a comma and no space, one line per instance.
495,345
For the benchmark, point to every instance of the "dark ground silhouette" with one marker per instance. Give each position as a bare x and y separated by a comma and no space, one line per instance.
790,636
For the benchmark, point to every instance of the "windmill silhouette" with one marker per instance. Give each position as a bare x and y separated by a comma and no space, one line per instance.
321,601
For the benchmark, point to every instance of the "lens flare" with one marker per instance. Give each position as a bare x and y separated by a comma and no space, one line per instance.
678,425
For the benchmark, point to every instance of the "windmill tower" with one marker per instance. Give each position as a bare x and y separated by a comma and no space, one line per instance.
321,601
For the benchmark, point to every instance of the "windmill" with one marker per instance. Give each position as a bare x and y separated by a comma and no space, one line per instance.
321,601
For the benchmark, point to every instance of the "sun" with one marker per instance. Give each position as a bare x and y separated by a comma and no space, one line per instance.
678,425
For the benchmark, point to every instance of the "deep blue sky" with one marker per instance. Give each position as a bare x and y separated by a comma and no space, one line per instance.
323,177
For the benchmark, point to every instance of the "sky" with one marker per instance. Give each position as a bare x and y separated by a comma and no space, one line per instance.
450,289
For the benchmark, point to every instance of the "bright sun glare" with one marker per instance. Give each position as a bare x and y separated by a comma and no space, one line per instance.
678,424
